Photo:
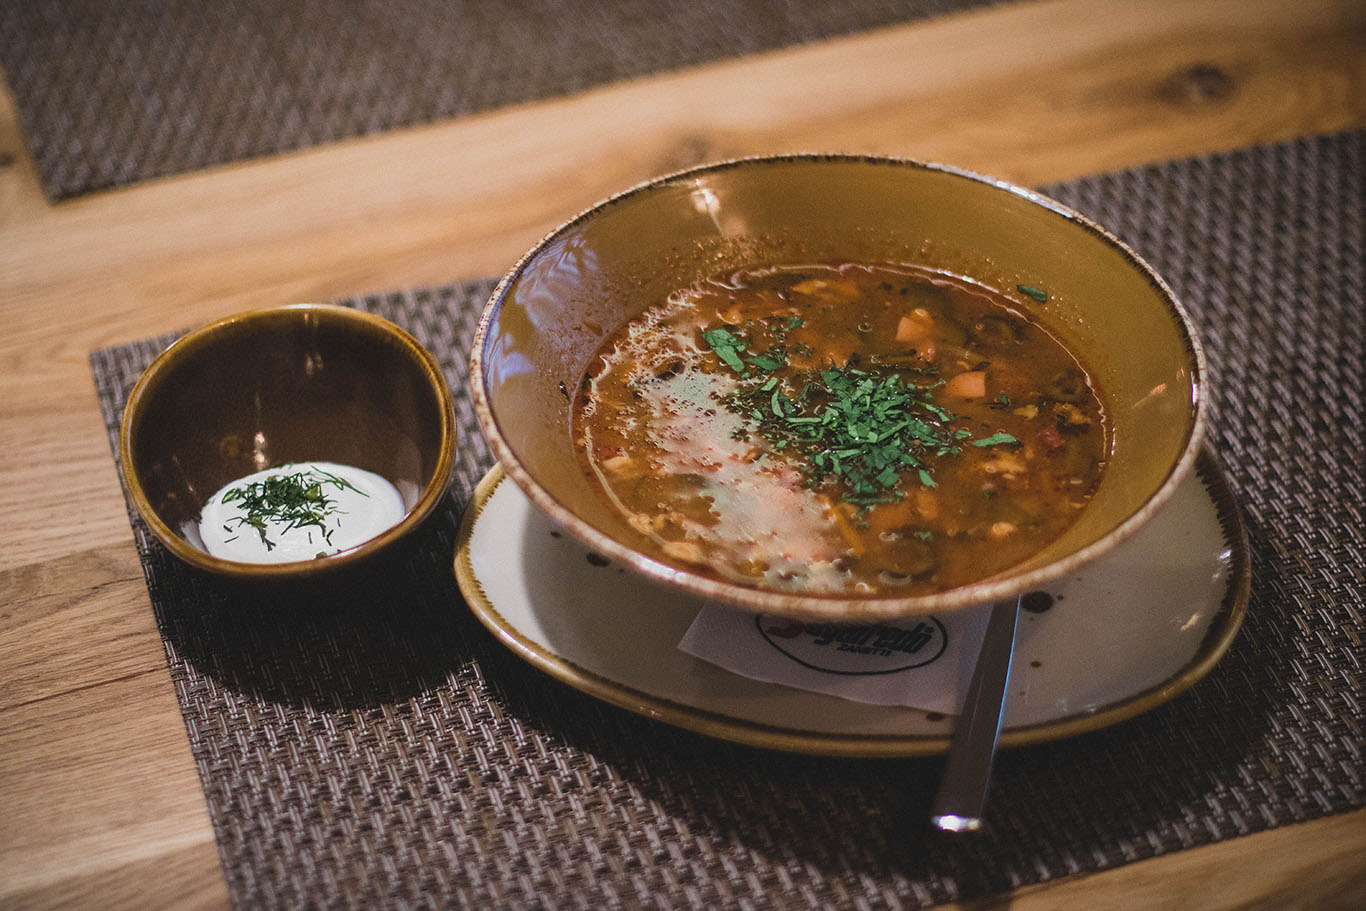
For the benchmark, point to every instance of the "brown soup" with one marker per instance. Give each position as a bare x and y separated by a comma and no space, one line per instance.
841,429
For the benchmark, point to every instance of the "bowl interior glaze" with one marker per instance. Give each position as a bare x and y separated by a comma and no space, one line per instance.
287,384
551,313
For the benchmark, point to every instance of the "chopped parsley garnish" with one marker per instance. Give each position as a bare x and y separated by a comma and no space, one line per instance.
296,499
727,346
730,343
860,428
1038,294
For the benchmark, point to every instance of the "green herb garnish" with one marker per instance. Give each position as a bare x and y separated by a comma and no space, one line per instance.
858,428
727,346
996,439
1038,294
296,499
862,430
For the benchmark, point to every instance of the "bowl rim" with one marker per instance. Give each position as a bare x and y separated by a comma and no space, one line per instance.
199,338
843,607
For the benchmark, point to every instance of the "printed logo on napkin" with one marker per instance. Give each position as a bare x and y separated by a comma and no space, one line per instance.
842,648
922,662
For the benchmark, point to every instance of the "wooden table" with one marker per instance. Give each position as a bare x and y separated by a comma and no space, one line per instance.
100,805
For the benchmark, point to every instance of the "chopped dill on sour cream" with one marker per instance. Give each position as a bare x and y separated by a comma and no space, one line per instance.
299,511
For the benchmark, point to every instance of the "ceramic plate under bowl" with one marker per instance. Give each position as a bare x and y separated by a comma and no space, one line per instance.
1124,634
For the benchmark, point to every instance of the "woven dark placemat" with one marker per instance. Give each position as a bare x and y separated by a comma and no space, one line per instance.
113,93
380,749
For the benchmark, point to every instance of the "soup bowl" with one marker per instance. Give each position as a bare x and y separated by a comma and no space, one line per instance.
282,385
550,314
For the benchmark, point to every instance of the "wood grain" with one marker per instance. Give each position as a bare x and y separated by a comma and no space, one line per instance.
94,779
170,880
1310,867
99,800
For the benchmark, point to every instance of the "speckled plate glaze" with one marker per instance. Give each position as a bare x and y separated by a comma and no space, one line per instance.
1124,634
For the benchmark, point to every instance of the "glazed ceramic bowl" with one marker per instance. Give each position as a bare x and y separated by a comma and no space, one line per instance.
551,313
306,382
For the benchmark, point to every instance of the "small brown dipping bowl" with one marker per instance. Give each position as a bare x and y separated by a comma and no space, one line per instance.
550,314
305,382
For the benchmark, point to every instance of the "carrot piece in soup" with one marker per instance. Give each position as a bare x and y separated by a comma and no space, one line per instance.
969,385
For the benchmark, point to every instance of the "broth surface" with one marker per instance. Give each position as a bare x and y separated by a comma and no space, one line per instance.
841,429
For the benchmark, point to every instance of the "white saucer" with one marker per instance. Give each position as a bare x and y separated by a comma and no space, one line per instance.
1125,634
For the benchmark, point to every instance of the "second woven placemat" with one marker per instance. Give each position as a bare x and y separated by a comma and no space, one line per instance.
113,93
377,748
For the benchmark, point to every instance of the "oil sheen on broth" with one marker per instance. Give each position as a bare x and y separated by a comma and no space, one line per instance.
851,428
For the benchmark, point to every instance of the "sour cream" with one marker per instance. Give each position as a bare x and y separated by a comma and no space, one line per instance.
299,511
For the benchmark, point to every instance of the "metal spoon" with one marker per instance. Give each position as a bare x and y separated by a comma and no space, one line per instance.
963,790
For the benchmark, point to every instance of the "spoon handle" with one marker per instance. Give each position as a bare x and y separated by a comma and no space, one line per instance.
963,790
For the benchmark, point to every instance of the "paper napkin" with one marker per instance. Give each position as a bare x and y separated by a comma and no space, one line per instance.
922,662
